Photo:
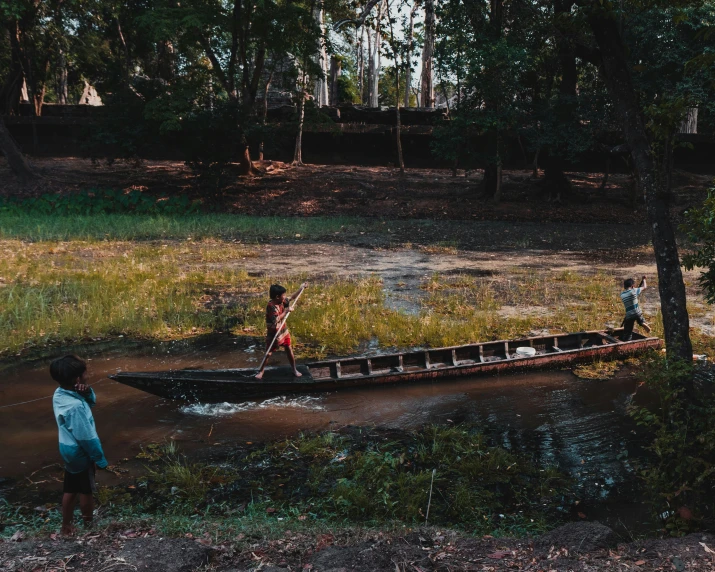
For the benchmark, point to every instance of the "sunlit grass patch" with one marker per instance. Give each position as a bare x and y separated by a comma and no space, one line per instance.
58,292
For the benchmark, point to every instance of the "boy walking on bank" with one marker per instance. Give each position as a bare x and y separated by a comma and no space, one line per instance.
630,298
79,444
278,307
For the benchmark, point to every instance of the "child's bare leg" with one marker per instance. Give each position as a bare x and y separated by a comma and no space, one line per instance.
86,506
259,375
68,503
291,359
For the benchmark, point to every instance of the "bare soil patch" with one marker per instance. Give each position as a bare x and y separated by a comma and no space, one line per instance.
413,550
330,190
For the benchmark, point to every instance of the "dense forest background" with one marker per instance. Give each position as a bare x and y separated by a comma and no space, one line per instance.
519,74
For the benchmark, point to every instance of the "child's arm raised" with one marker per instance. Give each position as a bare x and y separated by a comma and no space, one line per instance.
303,286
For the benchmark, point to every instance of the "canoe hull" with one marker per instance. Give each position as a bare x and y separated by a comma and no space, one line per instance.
234,385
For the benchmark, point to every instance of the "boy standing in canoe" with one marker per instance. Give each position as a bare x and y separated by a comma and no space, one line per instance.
276,329
629,296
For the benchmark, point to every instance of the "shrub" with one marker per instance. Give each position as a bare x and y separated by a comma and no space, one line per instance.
680,475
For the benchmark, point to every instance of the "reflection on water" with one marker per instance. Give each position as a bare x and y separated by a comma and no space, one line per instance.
580,426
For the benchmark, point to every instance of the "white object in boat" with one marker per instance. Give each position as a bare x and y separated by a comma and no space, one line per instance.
525,352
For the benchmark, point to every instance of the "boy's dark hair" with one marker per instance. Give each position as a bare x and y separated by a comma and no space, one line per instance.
67,369
628,283
276,290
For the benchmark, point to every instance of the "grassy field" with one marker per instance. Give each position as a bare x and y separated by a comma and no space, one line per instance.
59,292
38,227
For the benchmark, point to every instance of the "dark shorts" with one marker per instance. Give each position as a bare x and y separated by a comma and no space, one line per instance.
82,483
628,324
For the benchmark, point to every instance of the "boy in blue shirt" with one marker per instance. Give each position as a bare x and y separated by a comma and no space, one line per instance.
630,298
79,444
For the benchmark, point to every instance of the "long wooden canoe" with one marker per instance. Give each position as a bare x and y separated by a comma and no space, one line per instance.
415,365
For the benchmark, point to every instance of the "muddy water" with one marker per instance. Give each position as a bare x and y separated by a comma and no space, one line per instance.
580,426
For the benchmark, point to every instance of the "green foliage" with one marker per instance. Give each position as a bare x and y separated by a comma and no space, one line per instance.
478,486
700,227
680,477
98,201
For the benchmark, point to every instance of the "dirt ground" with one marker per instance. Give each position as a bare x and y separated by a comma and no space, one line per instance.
330,190
573,547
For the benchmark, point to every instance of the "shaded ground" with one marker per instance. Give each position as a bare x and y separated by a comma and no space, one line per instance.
360,191
580,546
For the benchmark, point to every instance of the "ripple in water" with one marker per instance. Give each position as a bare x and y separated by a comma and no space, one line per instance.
225,408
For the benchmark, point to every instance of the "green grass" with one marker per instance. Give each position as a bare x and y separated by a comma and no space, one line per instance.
67,292
37,227
361,478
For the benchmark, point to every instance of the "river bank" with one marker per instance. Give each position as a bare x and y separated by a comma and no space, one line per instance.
582,547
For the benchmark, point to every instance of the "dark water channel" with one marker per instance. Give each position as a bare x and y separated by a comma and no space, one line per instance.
581,426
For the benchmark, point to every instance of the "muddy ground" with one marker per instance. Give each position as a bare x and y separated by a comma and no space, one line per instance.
330,190
573,547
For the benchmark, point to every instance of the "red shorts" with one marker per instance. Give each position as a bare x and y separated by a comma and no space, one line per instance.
285,342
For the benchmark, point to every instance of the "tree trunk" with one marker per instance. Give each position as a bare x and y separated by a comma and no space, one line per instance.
427,87
361,65
15,79
410,48
16,160
335,70
298,153
670,279
690,123
62,78
245,164
493,171
321,83
265,113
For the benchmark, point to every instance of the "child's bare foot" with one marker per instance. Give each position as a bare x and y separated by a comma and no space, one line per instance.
296,373
259,375
67,530
646,327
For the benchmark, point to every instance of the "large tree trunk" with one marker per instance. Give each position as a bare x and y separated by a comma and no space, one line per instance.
361,65
335,71
427,87
670,279
410,48
321,83
15,79
265,114
298,153
62,78
493,171
18,164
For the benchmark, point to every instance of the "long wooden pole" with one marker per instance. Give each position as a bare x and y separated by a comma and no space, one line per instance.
278,331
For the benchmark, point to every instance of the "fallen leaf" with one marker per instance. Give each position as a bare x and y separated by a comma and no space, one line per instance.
707,549
640,562
499,555
270,510
581,515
